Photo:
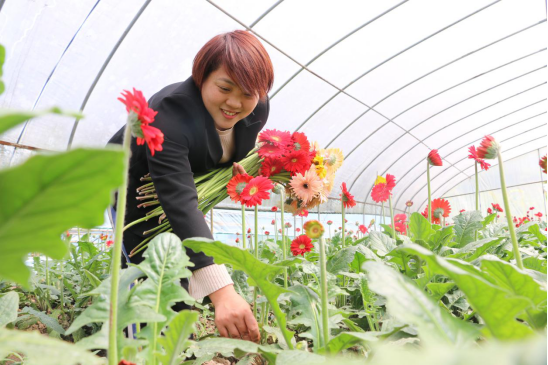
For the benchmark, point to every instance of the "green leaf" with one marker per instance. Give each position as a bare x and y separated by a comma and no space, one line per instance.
292,357
175,339
381,243
534,263
259,273
419,227
535,230
409,304
475,249
2,59
362,255
44,350
94,280
45,319
11,118
341,259
488,219
441,238
305,306
495,304
87,247
9,303
346,340
227,346
52,194
240,284
438,290
165,265
519,284
466,225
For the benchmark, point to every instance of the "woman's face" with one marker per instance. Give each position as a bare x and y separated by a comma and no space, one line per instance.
225,101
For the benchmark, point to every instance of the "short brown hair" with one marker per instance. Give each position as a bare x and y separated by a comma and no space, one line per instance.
244,57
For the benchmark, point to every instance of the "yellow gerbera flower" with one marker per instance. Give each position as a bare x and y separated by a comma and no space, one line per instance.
333,158
380,180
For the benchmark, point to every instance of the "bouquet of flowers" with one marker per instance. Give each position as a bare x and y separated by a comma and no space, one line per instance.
305,171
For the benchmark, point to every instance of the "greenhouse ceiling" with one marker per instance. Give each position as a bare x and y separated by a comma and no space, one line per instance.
384,81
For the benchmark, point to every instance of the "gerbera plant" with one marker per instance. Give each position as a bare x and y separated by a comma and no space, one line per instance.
140,116
433,159
382,191
347,201
490,149
542,163
439,211
484,166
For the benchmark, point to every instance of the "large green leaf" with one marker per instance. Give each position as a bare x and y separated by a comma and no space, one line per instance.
438,290
362,255
9,303
466,225
520,284
10,118
43,350
341,259
419,227
441,238
47,195
259,273
45,319
535,230
475,249
495,304
408,304
305,307
346,340
380,243
175,339
165,264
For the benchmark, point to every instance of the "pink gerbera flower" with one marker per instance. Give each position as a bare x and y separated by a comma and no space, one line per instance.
306,186
362,228
488,148
434,158
474,156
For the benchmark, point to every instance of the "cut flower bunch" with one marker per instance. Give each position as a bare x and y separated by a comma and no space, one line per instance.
305,171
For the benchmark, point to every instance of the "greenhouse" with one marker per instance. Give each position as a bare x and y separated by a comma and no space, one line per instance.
271,182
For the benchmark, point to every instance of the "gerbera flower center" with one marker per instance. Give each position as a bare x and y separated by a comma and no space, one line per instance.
294,160
297,146
240,187
253,190
301,246
305,185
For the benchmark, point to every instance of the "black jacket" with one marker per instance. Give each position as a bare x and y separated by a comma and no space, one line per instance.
191,145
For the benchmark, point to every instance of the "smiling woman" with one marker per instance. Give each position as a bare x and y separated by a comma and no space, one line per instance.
212,119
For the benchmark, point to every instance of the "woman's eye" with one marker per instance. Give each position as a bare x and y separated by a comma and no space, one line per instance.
224,88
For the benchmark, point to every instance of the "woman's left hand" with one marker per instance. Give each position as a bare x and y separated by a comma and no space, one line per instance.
233,315
237,169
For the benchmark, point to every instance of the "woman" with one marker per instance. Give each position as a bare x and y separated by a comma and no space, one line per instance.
212,119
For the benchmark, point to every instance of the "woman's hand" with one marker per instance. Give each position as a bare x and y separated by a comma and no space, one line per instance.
233,315
237,169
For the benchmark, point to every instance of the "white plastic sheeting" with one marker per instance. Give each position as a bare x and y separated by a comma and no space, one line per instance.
385,81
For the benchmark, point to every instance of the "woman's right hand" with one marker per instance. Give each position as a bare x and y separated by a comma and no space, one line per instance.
237,169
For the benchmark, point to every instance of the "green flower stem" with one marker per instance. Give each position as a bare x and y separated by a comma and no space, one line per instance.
429,194
511,228
392,216
276,227
117,253
284,249
382,207
256,244
323,290
343,235
244,239
477,194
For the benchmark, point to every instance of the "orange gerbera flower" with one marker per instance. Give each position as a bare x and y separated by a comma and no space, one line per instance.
236,186
306,186
313,229
440,208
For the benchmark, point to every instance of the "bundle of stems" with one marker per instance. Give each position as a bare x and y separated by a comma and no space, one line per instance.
211,188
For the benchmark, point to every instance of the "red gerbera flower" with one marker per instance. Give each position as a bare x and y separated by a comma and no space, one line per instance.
109,243
440,208
542,163
362,228
236,186
249,230
299,142
532,208
347,198
380,193
488,148
274,209
137,103
434,158
273,222
271,166
275,137
390,181
153,137
329,223
237,240
297,230
296,162
301,245
462,210
269,150
400,227
257,190
489,211
474,156
303,213
539,214
266,233
497,207
400,218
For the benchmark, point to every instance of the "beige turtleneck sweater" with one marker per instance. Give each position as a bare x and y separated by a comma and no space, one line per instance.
214,277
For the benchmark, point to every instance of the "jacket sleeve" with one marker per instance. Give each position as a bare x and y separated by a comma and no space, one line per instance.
171,173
